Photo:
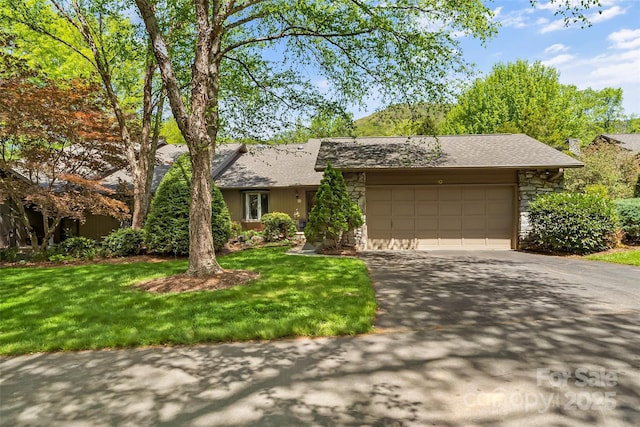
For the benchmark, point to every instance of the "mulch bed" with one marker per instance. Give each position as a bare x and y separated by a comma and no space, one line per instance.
183,283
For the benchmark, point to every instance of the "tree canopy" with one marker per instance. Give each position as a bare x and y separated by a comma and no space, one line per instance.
528,98
54,140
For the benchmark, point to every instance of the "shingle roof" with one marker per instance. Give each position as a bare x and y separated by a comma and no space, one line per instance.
167,154
628,141
269,166
513,151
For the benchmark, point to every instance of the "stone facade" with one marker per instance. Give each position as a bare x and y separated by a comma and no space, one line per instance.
531,184
356,186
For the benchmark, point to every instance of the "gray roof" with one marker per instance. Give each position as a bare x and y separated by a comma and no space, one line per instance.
628,141
272,166
167,154
512,151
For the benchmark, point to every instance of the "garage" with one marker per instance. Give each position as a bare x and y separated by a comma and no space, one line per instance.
445,192
441,217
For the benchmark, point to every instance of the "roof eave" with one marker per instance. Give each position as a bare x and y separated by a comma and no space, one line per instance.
427,168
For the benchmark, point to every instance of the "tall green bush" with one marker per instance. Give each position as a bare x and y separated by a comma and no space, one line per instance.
629,212
278,226
573,223
334,214
167,225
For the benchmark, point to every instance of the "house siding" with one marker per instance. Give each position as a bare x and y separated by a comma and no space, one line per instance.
286,200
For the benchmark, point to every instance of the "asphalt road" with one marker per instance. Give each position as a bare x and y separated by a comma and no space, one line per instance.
473,339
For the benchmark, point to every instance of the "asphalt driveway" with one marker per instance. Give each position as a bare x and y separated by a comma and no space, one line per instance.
473,339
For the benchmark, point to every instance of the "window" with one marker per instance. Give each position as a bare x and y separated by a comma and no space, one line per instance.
255,205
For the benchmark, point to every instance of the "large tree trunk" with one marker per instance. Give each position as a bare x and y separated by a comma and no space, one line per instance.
202,259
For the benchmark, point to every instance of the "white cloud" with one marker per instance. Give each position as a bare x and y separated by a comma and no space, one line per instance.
558,60
625,39
594,18
606,14
556,48
616,69
556,25
515,19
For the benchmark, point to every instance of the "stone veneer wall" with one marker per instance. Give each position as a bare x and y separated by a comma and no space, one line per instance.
356,183
531,184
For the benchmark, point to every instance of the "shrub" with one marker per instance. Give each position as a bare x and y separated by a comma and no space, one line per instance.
78,247
334,214
167,225
573,223
123,242
278,226
9,255
629,212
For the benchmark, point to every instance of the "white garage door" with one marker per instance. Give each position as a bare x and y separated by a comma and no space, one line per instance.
452,217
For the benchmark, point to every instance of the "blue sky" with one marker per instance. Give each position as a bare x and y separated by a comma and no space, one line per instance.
606,54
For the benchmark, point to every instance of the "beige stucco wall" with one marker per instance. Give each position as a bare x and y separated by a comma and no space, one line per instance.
285,200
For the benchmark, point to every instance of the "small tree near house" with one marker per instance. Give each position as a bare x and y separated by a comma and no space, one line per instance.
54,140
334,214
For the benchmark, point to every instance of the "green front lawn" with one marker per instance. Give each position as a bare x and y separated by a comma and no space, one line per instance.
93,306
631,257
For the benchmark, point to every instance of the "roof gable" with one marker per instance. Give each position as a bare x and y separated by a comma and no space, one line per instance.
272,166
628,141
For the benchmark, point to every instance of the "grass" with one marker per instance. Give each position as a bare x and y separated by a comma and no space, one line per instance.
93,306
631,257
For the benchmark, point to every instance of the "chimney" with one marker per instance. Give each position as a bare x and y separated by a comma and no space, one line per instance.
573,145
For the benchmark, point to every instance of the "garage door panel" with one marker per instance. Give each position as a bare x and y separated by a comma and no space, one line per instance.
401,194
446,217
378,223
450,208
379,207
499,207
426,208
474,223
474,208
374,193
404,208
473,194
449,194
450,223
426,223
423,194
499,193
403,226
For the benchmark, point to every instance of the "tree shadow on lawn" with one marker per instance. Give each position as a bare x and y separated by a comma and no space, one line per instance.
489,350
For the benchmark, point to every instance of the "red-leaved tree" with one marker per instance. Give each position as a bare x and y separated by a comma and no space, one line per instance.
55,142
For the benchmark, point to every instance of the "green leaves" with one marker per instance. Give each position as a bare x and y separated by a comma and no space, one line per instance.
167,226
334,213
573,223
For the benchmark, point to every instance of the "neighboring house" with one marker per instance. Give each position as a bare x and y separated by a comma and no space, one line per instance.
253,179
626,141
449,192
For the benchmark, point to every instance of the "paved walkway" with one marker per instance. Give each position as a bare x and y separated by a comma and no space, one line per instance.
494,342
